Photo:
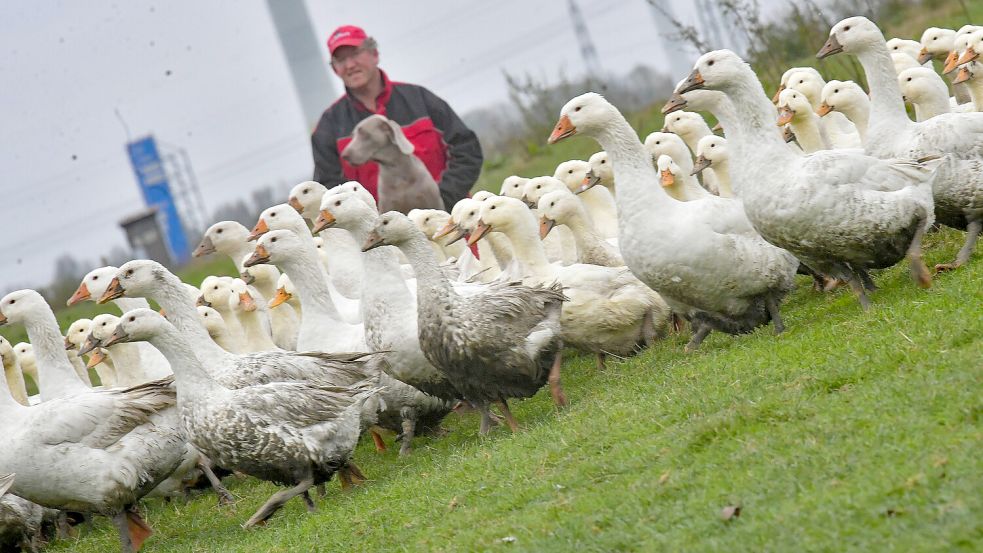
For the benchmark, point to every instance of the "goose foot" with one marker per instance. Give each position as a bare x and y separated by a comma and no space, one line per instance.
224,497
776,316
406,438
309,502
64,529
858,289
276,501
133,530
600,361
556,388
380,445
322,490
677,323
486,420
697,339
509,417
867,281
972,235
919,272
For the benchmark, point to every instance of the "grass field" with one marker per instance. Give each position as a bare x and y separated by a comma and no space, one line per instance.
851,431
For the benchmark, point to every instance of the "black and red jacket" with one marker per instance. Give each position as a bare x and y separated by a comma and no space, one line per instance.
446,146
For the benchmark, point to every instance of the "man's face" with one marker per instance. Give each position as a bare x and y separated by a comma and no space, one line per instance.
355,65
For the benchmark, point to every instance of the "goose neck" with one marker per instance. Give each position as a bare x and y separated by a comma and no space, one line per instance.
637,181
753,133
173,299
886,105
56,375
12,387
528,249
933,106
431,284
308,277
806,129
189,373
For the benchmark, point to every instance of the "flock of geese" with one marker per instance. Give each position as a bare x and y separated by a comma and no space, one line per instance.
344,321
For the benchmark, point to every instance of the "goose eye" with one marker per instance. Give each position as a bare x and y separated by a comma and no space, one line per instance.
657,142
384,223
538,186
11,302
837,91
713,145
603,161
847,28
570,172
129,272
215,288
95,277
219,231
132,318
552,204
576,108
337,203
493,207
306,190
801,81
710,62
273,214
272,239
909,79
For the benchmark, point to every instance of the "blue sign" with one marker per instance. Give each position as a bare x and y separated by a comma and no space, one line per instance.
156,193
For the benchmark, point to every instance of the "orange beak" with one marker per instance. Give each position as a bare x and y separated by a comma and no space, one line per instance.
281,296
97,357
963,76
81,294
676,102
259,256
295,203
924,56
206,247
667,178
324,220
162,313
824,109
259,230
545,226
774,99
445,230
3,319
479,231
114,291
951,62
831,47
968,56
563,129
785,116
247,302
693,82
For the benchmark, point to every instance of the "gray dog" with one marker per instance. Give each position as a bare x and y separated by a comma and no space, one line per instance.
404,182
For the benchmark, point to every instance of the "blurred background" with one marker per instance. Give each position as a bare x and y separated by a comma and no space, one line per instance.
123,120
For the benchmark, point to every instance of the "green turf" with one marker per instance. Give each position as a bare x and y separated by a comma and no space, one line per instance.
852,431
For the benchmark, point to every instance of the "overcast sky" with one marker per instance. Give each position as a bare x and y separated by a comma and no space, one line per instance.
211,77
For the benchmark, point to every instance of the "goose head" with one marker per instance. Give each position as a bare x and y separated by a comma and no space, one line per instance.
572,173
93,285
710,150
356,188
697,100
259,275
7,356
966,72
669,172
792,105
103,327
935,42
465,215
538,186
789,78
588,113
284,291
24,352
20,305
920,85
483,195
343,209
513,185
902,61
279,217
225,237
685,123
910,48
961,49
842,96
77,332
852,35
136,279
432,222
599,172
138,325
215,291
665,143
276,246
306,198
969,61
808,82
212,321
240,298
557,207
392,229
717,70
504,214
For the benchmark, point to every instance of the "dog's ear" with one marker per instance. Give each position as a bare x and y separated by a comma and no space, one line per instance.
398,138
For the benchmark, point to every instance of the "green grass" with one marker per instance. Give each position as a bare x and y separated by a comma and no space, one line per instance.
851,431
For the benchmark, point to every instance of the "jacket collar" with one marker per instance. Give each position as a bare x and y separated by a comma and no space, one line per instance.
380,101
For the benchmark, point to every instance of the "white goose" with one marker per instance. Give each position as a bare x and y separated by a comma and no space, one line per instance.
840,211
132,365
691,127
660,144
970,70
910,48
286,293
215,293
794,110
562,208
712,152
284,322
92,451
958,182
252,315
674,247
936,44
24,352
923,88
600,173
597,201
437,226
559,246
11,371
607,310
228,238
848,98
215,326
837,128
339,250
463,221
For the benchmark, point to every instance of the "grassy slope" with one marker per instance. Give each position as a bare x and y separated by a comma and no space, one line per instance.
852,430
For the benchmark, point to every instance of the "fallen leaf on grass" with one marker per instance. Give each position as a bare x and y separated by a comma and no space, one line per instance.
508,539
664,478
453,504
730,512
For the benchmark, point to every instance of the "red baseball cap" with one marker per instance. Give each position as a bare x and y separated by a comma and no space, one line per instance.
346,35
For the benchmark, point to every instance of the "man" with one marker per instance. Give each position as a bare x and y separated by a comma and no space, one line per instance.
446,146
